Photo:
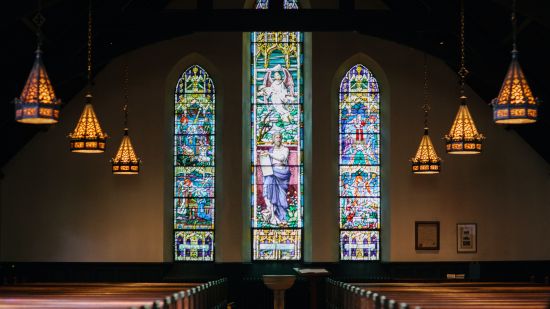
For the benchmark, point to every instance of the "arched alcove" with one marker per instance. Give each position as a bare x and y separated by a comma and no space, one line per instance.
173,77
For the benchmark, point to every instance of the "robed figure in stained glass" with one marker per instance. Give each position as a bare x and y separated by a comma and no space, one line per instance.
277,81
276,179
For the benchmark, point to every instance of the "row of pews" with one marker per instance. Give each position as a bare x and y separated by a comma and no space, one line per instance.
341,295
505,295
212,294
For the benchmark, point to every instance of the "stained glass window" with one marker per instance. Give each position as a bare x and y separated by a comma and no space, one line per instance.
194,166
277,144
288,4
359,161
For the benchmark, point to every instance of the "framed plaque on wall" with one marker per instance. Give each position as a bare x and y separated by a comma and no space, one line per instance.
466,237
426,235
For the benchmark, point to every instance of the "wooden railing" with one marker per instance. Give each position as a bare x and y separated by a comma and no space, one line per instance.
341,295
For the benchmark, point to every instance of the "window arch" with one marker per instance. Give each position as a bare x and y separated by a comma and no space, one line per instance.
194,166
359,165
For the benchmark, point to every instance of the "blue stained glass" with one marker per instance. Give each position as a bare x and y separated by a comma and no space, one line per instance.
359,245
360,149
194,150
359,213
359,158
193,213
194,166
194,182
194,245
359,181
277,144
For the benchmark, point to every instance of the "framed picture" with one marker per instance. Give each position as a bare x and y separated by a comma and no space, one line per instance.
466,237
426,235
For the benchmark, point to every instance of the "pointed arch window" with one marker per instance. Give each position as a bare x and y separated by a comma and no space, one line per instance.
194,166
359,165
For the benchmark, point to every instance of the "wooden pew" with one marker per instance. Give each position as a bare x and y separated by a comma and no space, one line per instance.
464,294
116,295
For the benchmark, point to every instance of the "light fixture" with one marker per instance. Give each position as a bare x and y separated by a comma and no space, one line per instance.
125,161
463,138
426,160
37,103
88,137
515,103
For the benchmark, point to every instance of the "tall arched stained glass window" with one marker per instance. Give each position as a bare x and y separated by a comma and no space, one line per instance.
277,143
359,160
194,166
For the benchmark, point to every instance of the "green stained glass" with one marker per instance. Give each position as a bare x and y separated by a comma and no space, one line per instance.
359,158
194,166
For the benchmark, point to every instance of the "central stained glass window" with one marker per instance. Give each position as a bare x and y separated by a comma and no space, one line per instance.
194,166
359,160
277,144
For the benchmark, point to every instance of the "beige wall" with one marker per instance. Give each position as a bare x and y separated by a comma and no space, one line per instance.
59,206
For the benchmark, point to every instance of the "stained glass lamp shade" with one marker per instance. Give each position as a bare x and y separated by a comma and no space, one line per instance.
426,160
37,103
125,162
515,103
88,137
463,138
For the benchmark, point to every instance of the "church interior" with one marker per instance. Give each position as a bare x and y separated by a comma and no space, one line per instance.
275,154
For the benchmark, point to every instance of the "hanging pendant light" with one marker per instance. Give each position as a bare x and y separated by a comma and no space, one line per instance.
463,138
37,103
125,161
515,103
426,160
88,137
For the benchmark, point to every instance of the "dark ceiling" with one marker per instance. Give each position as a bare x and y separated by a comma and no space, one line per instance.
123,25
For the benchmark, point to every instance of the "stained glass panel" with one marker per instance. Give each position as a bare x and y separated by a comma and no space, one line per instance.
359,245
277,144
359,213
194,166
277,244
194,213
359,149
194,245
288,4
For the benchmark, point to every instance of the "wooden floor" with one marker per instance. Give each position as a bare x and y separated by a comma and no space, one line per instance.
86,295
465,294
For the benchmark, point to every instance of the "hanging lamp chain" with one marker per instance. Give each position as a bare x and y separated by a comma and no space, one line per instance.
426,107
39,20
463,72
125,86
89,59
125,109
514,27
